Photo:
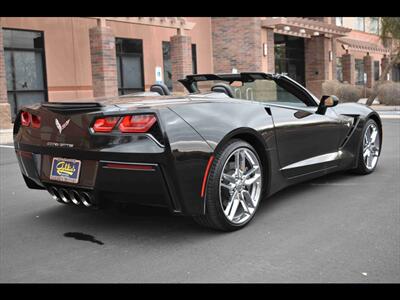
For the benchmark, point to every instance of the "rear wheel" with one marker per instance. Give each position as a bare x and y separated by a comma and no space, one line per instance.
369,149
234,187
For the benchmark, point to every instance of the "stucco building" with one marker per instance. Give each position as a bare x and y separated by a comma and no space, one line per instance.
75,58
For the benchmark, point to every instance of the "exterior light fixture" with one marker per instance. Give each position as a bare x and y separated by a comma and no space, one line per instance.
316,33
265,49
330,55
286,28
302,31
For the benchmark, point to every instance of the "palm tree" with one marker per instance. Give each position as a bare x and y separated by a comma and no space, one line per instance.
390,34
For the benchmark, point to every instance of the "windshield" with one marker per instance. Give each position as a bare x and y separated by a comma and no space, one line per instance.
260,90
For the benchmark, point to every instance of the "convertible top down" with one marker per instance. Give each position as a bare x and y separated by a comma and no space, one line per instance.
212,154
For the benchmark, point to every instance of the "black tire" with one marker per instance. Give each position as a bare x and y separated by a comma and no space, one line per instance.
214,217
361,166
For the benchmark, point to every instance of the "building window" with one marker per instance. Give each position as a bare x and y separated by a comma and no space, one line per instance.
339,69
167,66
359,65
396,73
339,21
376,70
374,25
129,65
25,68
359,23
194,58
289,56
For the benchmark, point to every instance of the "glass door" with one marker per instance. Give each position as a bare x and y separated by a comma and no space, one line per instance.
289,56
25,68
129,65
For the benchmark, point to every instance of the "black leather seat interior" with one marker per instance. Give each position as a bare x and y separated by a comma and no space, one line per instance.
223,88
160,88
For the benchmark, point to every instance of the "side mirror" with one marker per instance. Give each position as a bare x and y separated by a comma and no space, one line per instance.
327,101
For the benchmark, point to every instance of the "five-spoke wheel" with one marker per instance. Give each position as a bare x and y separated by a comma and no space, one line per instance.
234,187
240,185
369,148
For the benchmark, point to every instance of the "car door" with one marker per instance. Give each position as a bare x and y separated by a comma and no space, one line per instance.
307,142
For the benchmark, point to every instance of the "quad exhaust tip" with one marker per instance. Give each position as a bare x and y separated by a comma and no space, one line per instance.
75,198
64,195
67,196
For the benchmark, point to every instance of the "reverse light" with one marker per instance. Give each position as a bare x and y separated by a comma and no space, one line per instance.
137,123
105,124
26,118
35,120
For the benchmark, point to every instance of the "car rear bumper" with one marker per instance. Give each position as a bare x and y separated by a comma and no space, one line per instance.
110,176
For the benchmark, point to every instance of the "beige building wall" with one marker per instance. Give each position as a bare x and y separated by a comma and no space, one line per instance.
67,49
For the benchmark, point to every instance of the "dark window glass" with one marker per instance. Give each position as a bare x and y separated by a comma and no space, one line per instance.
374,25
339,21
289,56
339,69
359,66
23,39
194,58
25,68
359,23
129,65
167,66
396,73
376,70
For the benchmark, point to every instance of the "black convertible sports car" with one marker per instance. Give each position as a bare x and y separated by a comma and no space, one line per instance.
213,154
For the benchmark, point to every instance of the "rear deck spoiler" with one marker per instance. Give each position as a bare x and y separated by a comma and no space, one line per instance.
189,82
57,106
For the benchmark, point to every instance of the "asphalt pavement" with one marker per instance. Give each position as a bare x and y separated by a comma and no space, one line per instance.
339,228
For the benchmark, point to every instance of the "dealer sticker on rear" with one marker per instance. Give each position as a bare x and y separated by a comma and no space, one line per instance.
65,169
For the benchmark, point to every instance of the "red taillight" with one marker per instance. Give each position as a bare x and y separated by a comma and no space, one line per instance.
105,124
25,118
35,121
137,123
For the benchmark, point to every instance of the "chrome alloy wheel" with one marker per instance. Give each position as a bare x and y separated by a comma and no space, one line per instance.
371,142
240,185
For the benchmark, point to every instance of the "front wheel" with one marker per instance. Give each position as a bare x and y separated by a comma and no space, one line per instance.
234,187
369,149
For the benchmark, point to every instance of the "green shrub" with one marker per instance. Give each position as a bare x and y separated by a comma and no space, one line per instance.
344,91
389,93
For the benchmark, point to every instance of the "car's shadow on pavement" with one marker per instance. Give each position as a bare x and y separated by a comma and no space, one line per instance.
135,220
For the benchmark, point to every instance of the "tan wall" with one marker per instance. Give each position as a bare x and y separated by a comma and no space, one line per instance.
68,54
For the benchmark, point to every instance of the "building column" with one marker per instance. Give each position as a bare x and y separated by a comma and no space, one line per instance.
181,59
270,50
237,44
317,63
384,63
5,113
334,58
103,60
369,69
348,64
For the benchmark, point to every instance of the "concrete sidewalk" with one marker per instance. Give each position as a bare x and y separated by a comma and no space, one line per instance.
382,107
6,136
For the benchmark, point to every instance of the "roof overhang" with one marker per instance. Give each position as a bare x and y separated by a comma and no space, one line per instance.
167,22
303,27
358,45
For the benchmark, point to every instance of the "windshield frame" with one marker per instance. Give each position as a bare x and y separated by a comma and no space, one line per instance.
283,81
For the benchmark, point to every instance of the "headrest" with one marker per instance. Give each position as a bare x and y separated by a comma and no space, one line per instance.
160,88
223,88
